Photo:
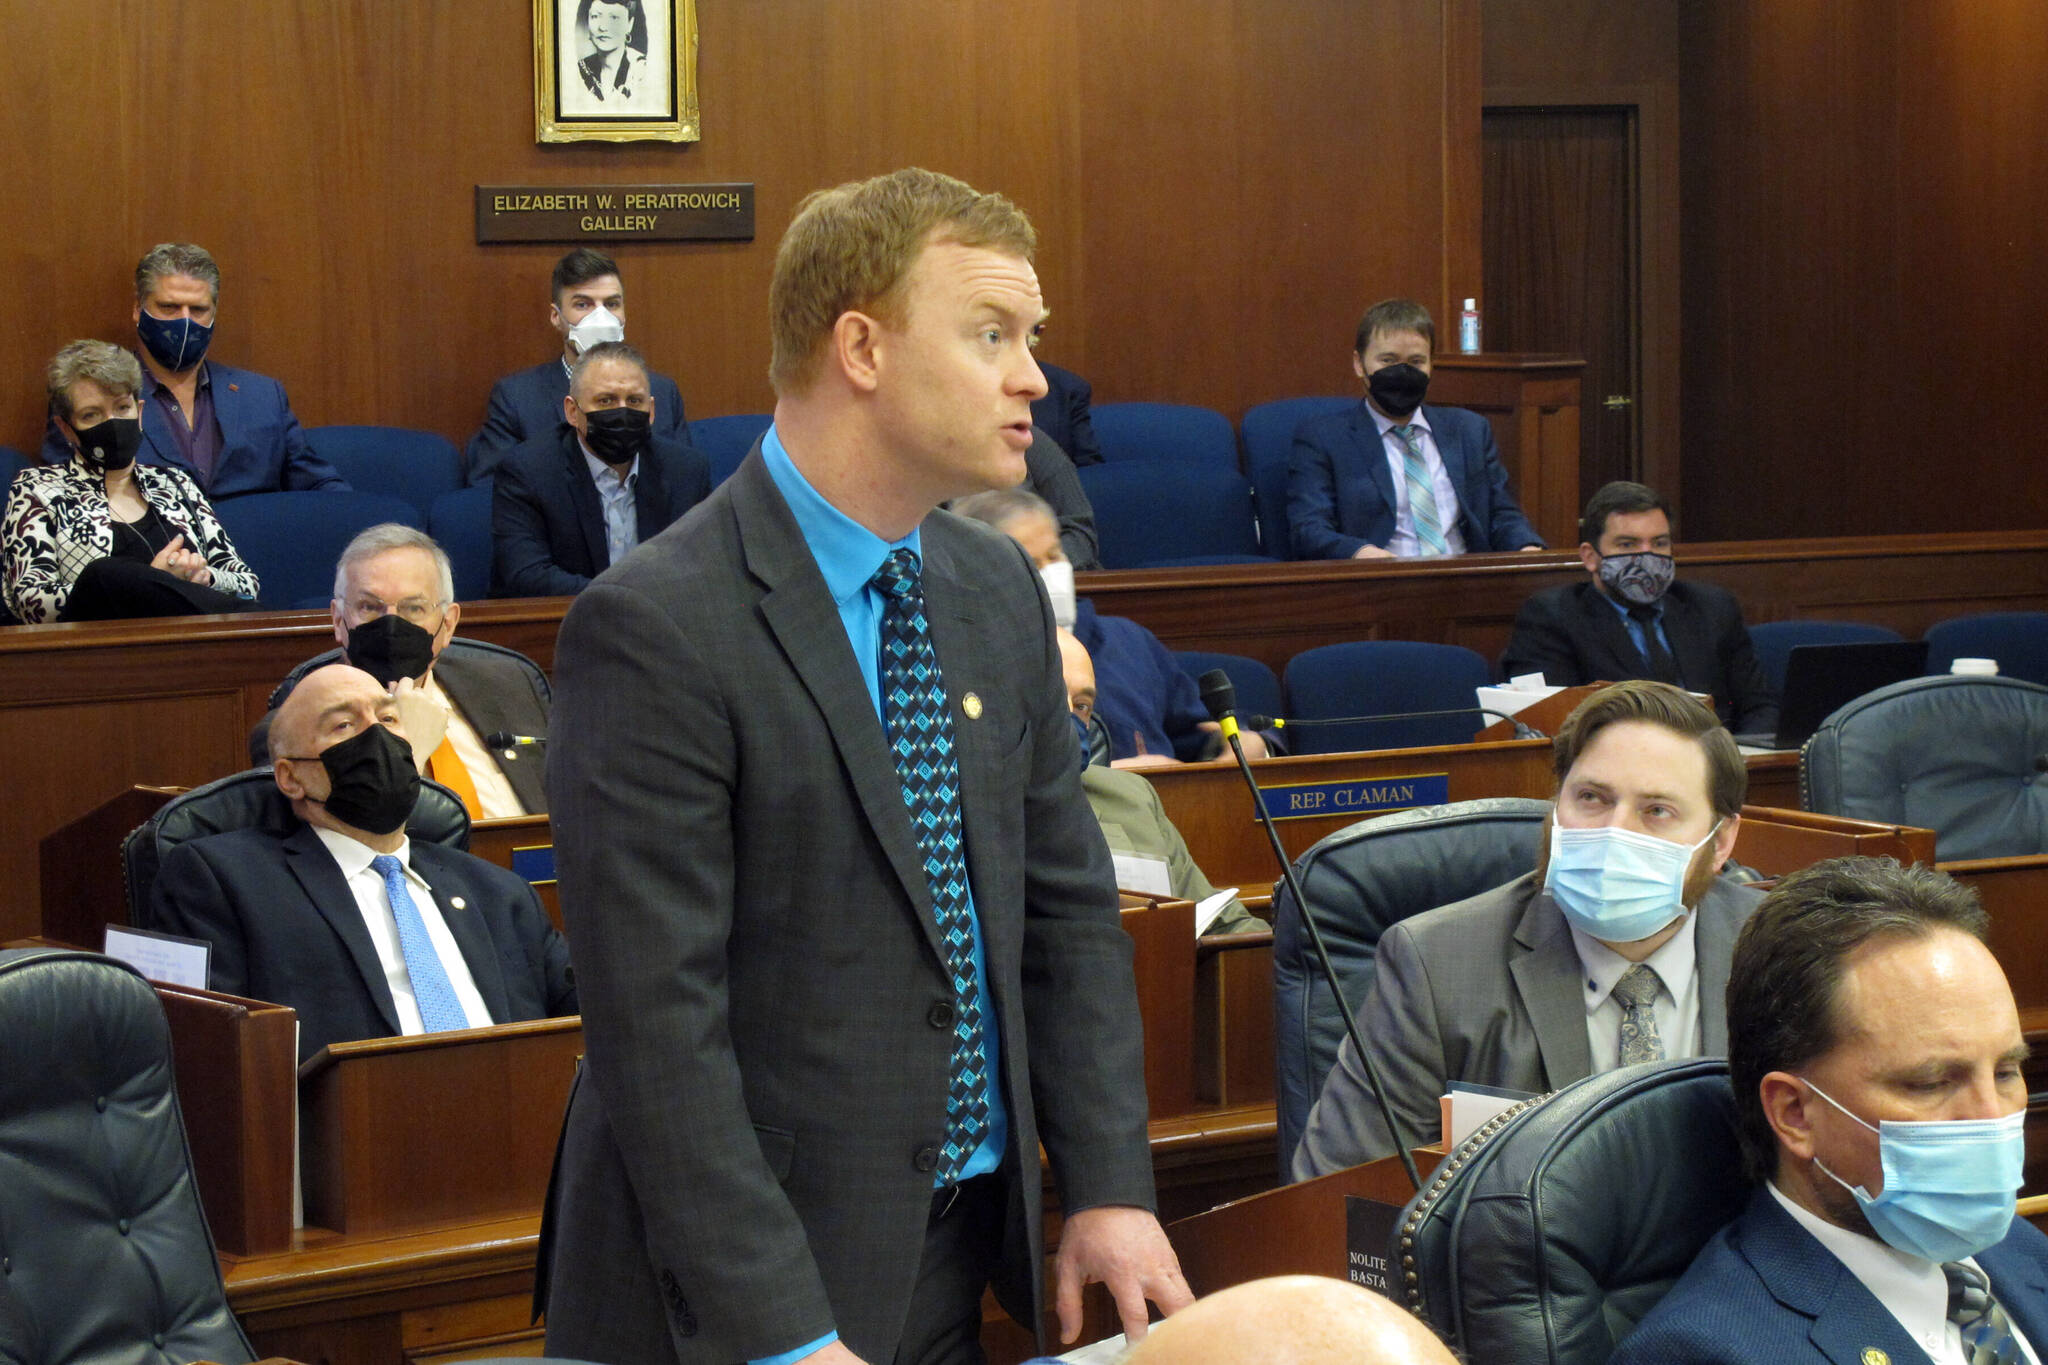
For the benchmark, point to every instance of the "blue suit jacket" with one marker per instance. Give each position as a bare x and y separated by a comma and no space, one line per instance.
1340,492
547,521
262,449
1063,414
1764,1289
528,404
285,928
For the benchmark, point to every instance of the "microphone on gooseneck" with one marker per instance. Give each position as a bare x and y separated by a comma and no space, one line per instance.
505,739
1219,694
1254,721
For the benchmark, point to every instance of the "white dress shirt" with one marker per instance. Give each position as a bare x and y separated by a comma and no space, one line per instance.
494,792
366,884
1676,1008
1405,543
1911,1288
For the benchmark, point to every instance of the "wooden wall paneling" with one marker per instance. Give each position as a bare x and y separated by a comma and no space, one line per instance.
1218,188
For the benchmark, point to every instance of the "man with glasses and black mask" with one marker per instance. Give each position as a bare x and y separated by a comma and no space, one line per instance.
363,932
1391,478
1613,950
569,504
1880,1102
232,431
1633,620
395,616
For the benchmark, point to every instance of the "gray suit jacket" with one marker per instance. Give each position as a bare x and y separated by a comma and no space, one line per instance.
747,1162
1485,991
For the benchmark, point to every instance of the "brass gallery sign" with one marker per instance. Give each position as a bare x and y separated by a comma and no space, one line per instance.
642,213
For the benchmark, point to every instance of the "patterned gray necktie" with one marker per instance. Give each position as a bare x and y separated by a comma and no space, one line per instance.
920,726
1987,1336
1637,991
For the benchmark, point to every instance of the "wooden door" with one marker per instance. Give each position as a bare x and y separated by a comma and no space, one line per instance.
1559,230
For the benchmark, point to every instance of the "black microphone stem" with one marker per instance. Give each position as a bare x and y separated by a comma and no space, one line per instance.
1315,936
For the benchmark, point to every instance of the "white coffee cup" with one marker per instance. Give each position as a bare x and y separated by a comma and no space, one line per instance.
1975,668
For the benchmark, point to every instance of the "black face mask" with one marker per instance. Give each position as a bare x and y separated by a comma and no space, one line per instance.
616,435
372,781
110,444
1398,389
389,647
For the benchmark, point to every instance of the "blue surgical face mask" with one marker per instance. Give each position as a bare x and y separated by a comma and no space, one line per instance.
1949,1184
1081,734
1615,884
177,343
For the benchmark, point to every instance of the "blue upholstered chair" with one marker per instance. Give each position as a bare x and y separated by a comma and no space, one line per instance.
1165,431
2017,639
1268,436
1378,678
1147,511
460,522
725,441
292,540
1774,641
418,466
1258,687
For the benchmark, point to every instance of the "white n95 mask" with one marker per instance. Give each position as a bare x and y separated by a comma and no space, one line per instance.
599,324
1058,577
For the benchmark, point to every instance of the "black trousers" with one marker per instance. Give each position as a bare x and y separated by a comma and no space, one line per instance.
962,1244
113,589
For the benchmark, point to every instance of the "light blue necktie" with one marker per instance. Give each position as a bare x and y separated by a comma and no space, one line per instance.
439,1009
1422,493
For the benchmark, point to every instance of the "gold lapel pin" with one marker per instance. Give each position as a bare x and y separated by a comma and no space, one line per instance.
1873,1356
457,903
971,704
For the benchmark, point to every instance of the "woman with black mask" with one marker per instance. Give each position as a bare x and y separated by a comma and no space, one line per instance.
99,537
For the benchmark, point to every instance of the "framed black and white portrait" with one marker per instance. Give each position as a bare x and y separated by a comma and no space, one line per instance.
615,70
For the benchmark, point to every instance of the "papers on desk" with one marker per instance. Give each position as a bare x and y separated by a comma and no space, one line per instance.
160,957
1209,907
1519,694
1467,1108
1136,872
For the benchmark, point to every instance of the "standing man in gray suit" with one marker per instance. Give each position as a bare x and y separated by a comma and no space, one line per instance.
1614,950
845,932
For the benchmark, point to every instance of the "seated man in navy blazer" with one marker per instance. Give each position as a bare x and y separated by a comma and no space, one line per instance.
569,504
1632,618
1392,477
232,430
341,917
1881,1105
1065,414
589,306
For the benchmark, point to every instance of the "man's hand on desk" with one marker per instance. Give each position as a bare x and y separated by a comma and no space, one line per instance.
1372,552
1125,1250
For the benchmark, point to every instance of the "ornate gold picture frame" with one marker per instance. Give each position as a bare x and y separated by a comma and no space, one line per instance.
615,71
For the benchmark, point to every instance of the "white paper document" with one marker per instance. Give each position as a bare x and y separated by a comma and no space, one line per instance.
1467,1108
1209,907
1136,872
160,957
1107,1351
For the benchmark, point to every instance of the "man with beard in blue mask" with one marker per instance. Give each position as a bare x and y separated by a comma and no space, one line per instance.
363,932
1391,478
231,430
1632,620
1880,1102
395,617
1614,950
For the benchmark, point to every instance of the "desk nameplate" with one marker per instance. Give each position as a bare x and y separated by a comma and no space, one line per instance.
1367,796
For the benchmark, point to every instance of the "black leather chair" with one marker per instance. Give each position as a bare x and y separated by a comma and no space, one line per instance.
1360,881
251,800
1966,757
1549,1234
105,1256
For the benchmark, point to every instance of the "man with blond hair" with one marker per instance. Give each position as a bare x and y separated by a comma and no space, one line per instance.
846,932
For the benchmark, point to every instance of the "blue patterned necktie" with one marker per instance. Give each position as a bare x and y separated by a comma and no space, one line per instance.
1637,992
1422,493
1987,1335
920,728
435,994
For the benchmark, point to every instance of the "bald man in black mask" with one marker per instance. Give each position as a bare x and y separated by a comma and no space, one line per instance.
363,932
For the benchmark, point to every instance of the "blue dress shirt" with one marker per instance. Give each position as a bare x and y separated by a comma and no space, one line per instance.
848,556
1635,627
